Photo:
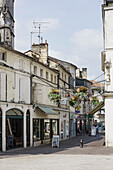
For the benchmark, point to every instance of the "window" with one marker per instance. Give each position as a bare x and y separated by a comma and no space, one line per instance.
65,77
47,77
41,72
52,77
62,75
2,56
21,64
22,90
14,80
46,129
35,70
36,129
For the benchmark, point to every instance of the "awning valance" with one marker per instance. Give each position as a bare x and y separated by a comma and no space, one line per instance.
96,108
47,110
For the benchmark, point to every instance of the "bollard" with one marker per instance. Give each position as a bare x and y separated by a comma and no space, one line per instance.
81,143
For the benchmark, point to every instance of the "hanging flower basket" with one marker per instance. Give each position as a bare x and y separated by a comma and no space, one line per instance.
82,89
54,95
94,101
81,94
75,101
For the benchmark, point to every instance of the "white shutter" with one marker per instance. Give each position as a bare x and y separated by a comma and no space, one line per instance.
3,86
22,90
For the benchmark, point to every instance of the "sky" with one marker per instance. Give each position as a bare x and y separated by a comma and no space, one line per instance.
73,29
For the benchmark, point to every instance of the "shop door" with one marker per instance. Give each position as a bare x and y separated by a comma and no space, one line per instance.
14,129
28,127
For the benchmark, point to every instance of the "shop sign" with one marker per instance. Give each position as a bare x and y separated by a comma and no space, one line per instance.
93,131
63,101
77,111
55,141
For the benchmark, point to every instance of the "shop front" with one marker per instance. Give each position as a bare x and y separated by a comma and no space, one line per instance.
14,129
64,125
45,125
72,125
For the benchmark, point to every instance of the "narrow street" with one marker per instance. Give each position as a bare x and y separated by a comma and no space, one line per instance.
69,156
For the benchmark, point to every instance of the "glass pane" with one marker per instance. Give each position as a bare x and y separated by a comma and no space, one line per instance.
46,129
54,127
36,129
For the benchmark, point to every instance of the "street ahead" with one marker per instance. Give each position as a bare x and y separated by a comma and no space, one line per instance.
69,156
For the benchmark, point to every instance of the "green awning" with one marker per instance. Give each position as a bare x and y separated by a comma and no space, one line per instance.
47,110
14,114
96,108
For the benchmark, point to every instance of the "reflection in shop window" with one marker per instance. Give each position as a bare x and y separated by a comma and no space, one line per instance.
54,127
36,129
46,129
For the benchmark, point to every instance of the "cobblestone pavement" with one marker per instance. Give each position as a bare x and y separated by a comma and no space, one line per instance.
92,145
69,156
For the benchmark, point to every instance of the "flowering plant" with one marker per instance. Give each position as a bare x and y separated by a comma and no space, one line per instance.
94,101
54,95
81,94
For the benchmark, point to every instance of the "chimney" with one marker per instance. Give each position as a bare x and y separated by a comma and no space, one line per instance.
78,72
42,49
84,73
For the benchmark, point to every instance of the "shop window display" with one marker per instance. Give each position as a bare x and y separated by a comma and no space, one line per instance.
36,129
46,129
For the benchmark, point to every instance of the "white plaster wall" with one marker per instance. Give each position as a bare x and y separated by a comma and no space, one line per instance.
109,122
109,29
109,58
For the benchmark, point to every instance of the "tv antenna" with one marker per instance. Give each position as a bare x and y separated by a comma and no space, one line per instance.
38,25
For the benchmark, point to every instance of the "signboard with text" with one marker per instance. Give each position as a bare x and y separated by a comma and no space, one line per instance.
55,141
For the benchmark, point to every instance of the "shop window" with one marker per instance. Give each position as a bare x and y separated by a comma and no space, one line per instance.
54,127
47,76
36,129
41,72
46,129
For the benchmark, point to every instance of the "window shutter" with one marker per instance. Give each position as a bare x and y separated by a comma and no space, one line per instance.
3,86
22,90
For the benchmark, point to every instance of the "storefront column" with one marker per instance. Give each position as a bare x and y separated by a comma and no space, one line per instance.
42,130
31,129
51,130
3,130
58,130
24,125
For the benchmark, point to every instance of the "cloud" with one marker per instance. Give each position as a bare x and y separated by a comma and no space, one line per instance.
86,49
